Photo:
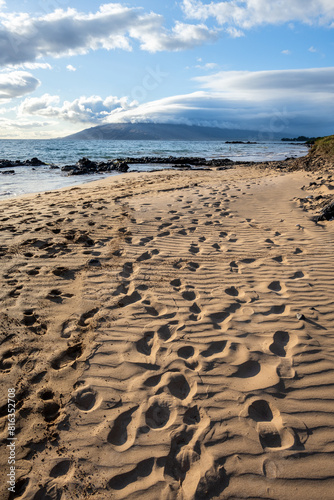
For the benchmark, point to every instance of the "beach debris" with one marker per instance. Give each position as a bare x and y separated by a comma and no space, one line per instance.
300,316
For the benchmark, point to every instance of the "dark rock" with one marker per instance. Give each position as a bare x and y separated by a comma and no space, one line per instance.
239,142
6,164
327,213
121,166
85,166
34,162
8,172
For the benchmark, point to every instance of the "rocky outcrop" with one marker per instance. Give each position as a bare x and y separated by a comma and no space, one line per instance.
320,156
86,166
34,162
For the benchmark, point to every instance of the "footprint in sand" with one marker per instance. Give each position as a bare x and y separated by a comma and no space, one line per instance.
192,416
50,411
129,299
280,347
61,468
146,240
179,387
118,435
16,292
189,295
127,270
186,352
31,320
69,327
214,349
275,286
194,248
272,432
147,255
67,357
86,317
141,471
193,266
144,345
58,296
232,291
297,275
64,272
48,492
176,283
158,415
86,399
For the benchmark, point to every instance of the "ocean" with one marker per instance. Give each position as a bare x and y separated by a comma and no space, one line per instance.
62,152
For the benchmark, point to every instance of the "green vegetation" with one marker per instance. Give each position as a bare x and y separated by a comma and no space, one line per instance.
324,146
301,138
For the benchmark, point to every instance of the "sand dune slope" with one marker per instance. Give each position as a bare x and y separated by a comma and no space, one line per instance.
170,336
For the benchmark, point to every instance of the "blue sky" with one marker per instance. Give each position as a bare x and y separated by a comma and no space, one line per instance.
248,64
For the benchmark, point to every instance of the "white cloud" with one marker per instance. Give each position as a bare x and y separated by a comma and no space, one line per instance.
286,52
271,84
69,67
29,66
91,109
17,84
25,38
234,32
207,66
312,49
248,13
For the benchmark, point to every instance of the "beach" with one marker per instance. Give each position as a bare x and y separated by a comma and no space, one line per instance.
169,335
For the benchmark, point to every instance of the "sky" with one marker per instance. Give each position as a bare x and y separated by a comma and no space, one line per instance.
260,65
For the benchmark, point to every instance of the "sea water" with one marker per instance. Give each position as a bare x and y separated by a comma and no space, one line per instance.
63,152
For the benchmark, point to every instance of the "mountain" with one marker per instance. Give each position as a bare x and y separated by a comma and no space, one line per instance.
162,132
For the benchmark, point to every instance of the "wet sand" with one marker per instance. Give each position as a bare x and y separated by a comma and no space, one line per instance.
149,327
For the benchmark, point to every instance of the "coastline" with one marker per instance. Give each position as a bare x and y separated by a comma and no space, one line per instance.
149,326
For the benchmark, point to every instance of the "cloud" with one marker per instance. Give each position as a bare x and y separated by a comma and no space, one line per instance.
207,66
286,52
182,37
17,84
84,110
246,14
312,49
269,85
25,38
29,66
281,101
69,67
287,101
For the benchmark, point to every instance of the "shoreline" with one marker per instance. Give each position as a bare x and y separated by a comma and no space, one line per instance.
149,327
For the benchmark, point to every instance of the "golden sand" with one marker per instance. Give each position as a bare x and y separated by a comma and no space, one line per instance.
149,327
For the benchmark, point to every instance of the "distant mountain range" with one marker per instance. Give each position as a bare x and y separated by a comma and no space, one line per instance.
164,132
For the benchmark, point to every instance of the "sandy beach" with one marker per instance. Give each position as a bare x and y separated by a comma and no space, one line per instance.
169,335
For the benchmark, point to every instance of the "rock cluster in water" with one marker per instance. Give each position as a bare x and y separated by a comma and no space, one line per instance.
85,166
34,162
